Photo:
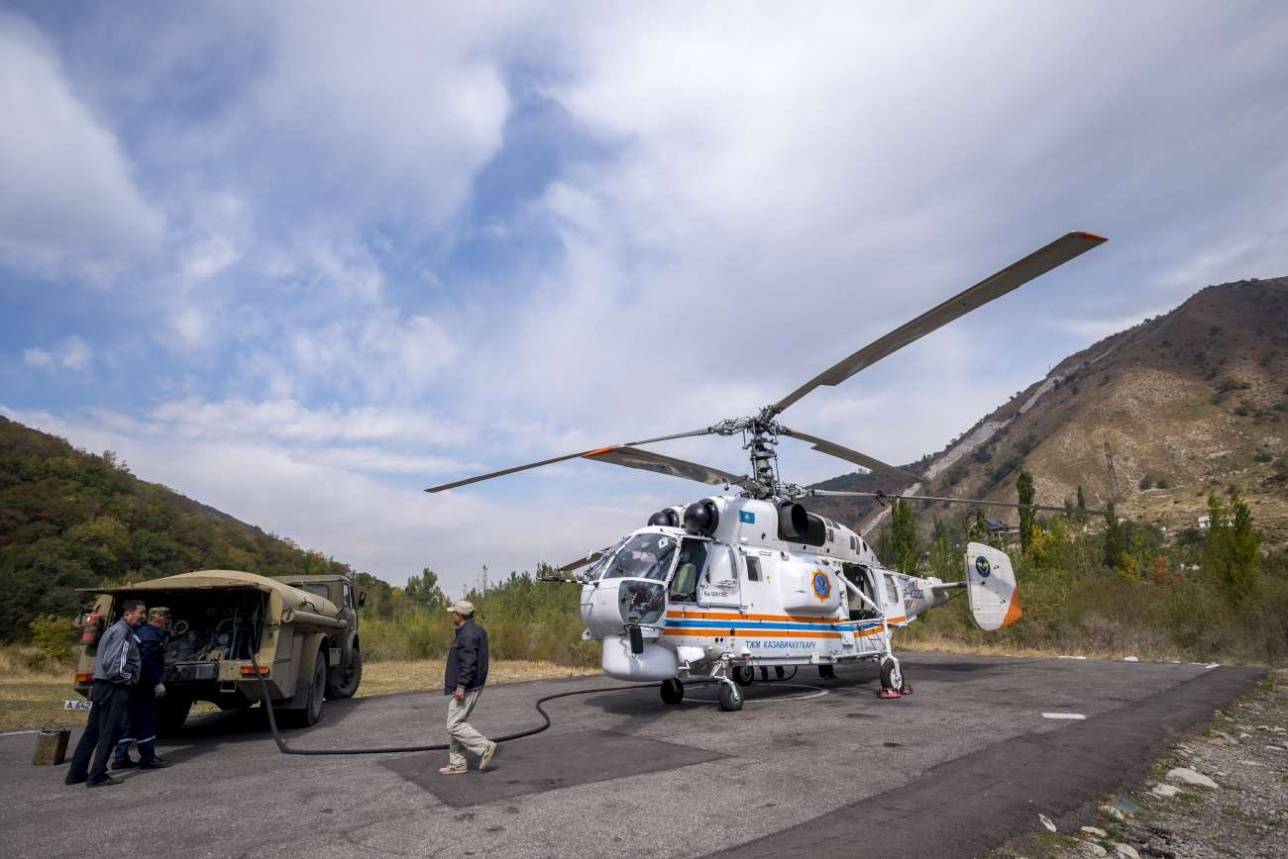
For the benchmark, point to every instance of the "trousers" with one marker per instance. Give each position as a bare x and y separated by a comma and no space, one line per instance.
106,717
141,725
462,737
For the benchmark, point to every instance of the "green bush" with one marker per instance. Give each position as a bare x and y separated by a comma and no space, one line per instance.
53,635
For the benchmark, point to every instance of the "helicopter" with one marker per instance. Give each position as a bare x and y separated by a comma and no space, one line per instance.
738,582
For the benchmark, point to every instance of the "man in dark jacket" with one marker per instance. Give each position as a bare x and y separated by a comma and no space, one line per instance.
141,727
465,676
117,666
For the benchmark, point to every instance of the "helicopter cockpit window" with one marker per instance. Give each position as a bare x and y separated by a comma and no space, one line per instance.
643,556
693,557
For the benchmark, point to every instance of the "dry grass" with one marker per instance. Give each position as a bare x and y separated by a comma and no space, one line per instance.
380,678
32,697
937,643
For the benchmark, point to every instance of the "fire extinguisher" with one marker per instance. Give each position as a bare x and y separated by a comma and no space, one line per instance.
89,633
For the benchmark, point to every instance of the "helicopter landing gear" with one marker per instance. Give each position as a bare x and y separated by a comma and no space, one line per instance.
744,675
730,696
892,682
672,691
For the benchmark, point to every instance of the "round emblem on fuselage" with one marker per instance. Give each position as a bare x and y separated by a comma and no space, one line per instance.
983,567
822,585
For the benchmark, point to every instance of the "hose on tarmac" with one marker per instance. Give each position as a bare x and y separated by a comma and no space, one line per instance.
436,747
266,703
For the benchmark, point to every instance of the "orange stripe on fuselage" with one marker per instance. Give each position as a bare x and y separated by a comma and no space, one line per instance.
733,615
900,619
747,633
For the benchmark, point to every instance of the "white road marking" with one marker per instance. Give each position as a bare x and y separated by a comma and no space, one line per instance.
1071,657
1063,716
16,733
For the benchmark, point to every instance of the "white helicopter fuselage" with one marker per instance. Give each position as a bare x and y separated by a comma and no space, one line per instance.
743,593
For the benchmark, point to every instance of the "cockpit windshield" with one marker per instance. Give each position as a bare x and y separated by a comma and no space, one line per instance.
643,556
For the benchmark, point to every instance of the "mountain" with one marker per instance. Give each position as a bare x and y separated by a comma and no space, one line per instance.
71,519
1155,418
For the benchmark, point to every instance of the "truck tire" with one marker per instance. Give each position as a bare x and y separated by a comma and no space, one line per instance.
311,713
172,712
343,682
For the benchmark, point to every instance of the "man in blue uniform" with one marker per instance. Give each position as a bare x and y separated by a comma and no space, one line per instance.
142,726
116,671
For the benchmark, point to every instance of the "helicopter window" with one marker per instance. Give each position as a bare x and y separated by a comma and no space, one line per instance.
644,556
854,543
830,538
892,589
753,569
693,556
720,566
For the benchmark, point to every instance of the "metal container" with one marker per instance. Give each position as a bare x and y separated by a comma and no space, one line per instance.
51,747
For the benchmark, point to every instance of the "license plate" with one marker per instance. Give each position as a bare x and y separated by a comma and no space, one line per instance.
80,704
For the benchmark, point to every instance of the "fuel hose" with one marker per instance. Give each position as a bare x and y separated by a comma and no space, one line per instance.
436,747
285,749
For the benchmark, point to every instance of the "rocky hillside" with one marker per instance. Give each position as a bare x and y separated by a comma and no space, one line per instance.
1154,417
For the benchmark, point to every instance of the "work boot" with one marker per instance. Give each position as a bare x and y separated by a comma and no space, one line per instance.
453,769
76,779
486,758
154,764
124,763
105,781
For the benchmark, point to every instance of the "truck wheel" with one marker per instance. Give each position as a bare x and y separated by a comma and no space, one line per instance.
744,675
343,682
311,713
172,712
672,691
730,697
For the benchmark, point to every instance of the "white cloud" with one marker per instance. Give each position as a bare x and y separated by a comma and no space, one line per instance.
72,353
70,206
209,257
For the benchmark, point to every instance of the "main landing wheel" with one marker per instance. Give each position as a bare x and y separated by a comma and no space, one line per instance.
743,675
730,697
672,691
892,682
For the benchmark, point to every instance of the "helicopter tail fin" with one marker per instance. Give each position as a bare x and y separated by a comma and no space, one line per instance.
994,598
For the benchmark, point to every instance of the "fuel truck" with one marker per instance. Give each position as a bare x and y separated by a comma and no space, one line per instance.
302,631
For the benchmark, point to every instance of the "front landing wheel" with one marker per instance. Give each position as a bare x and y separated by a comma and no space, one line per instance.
672,691
730,697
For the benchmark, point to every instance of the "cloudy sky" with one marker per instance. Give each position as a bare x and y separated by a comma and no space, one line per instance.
299,261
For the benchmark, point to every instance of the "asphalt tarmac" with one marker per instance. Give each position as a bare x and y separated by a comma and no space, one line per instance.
958,768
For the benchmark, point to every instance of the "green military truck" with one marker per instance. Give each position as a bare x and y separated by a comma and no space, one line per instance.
302,631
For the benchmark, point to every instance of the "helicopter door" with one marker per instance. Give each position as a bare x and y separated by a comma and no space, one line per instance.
718,585
688,568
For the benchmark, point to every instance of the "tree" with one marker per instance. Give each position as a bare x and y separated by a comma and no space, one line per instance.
1025,487
1114,543
1082,505
1231,550
903,537
423,590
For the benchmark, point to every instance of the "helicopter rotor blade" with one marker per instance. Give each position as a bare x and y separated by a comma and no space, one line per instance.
581,562
1013,276
883,496
842,452
583,453
647,460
